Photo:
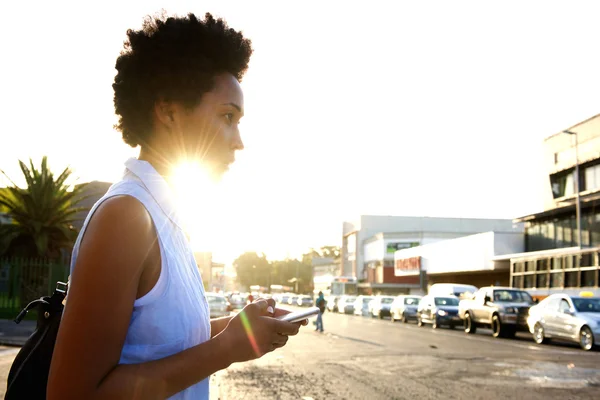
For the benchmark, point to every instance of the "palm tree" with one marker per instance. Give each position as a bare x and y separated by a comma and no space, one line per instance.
42,213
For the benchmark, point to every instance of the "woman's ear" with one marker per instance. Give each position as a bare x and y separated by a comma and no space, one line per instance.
164,113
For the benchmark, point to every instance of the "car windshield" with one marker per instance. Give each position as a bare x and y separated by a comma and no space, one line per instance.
512,296
350,299
367,299
412,301
446,301
387,300
583,304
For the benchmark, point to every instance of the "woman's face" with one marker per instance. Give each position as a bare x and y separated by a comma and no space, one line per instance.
209,132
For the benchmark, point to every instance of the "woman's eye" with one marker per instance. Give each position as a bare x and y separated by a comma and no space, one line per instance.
229,118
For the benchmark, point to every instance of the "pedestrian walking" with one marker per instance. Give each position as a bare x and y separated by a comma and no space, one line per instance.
320,303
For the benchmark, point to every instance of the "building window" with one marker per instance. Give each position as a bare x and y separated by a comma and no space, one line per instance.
567,233
529,282
563,184
557,263
542,280
569,262
519,267
542,265
530,266
559,235
517,282
556,280
592,177
571,279
586,260
588,278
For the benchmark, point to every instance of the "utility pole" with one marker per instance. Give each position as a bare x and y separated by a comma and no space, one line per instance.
578,201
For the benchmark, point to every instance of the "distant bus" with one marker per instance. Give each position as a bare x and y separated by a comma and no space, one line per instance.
569,271
341,285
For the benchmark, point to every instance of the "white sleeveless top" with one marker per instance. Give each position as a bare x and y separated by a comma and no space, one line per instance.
174,315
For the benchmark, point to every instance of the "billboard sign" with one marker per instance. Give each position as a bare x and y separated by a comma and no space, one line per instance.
407,266
393,247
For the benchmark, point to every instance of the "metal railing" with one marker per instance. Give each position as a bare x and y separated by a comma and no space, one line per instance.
26,279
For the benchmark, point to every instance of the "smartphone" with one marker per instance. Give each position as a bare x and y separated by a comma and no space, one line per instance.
298,316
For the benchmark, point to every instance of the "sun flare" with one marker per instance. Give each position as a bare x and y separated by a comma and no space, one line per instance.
193,189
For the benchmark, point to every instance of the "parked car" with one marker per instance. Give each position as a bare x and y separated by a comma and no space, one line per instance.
238,301
218,305
305,301
438,311
361,305
502,309
380,306
293,300
332,303
346,304
404,308
564,317
452,289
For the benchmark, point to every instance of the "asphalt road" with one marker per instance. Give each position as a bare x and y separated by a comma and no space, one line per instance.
364,358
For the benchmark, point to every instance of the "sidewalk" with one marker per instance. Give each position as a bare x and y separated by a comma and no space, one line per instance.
12,334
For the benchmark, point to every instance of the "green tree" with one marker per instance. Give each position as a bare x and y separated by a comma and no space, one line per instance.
253,269
41,214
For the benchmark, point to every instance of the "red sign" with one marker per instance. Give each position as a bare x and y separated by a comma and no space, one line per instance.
408,266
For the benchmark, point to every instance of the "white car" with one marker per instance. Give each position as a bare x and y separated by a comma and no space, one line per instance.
380,306
560,316
346,305
361,305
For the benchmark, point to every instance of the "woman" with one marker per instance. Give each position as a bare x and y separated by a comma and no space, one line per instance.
136,323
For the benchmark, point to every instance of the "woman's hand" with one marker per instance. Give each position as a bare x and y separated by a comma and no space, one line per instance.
255,332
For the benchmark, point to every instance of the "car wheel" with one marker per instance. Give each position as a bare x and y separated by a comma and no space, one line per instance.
392,319
470,327
404,319
538,334
435,323
419,321
380,315
497,330
586,338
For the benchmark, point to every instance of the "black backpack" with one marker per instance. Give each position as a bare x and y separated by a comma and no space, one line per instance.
28,376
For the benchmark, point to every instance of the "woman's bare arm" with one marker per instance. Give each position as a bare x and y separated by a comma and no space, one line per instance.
104,286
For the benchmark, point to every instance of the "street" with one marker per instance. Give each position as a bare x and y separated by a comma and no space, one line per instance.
364,358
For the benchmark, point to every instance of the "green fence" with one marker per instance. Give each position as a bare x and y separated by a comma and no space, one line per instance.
26,279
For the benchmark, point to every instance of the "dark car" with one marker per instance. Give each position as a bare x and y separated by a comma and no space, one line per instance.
438,311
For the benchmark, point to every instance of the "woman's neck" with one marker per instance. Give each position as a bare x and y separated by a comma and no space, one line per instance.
159,162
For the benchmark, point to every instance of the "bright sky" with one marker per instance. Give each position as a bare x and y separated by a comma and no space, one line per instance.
404,108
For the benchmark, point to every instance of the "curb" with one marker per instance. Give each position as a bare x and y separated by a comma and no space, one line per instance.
13,341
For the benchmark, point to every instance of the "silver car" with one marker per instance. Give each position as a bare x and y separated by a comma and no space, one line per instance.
218,305
404,308
571,318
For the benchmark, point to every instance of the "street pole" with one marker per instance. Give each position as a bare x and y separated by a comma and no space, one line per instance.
578,199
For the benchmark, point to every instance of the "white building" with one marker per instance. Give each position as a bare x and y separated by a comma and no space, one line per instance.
369,244
325,269
469,260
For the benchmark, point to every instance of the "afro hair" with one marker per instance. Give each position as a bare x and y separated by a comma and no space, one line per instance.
173,59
